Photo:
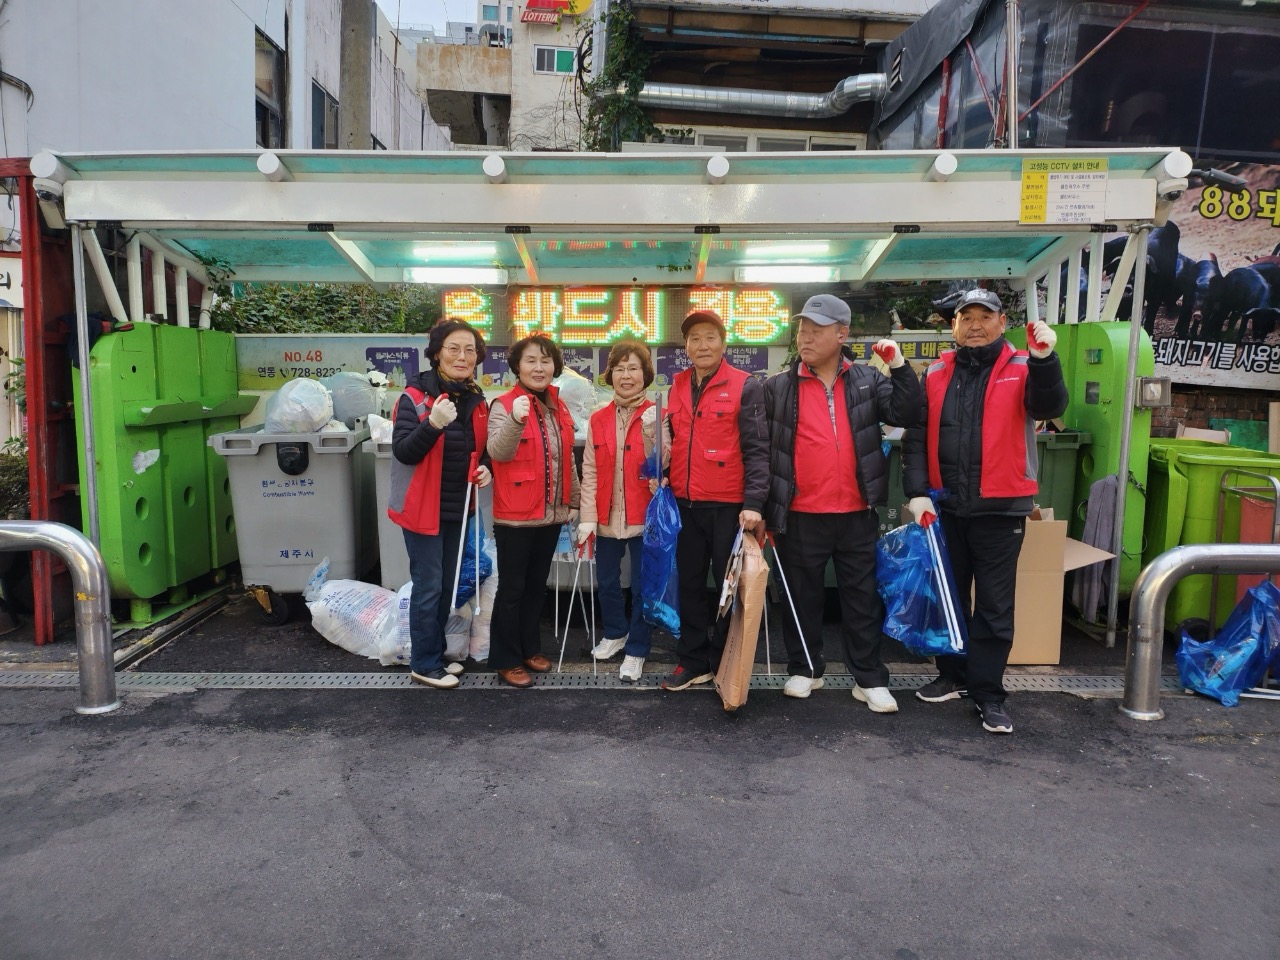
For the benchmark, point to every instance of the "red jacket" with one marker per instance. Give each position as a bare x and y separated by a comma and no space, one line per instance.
413,501
825,461
602,434
1008,431
522,485
706,450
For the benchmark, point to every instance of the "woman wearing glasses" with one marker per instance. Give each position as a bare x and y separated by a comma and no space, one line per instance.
441,421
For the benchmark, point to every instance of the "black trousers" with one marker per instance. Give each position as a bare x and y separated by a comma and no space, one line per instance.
984,557
524,561
849,541
706,538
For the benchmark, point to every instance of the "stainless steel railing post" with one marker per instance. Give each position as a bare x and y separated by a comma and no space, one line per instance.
1146,611
92,603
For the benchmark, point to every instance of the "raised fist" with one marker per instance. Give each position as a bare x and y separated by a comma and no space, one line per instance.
889,352
520,409
1040,339
443,412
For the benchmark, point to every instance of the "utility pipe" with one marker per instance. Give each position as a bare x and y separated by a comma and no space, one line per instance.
89,490
133,262
1126,429
183,309
206,307
1071,313
159,292
1093,306
1011,80
108,284
92,603
1146,611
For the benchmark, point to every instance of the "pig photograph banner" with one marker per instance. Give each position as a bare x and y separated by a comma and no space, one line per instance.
1213,283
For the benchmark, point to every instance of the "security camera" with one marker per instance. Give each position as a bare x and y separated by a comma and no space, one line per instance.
1218,178
49,196
1170,190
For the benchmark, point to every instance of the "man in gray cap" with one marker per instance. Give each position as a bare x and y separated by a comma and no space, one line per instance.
975,450
828,474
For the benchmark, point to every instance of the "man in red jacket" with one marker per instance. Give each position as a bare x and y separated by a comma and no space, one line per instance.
977,454
719,473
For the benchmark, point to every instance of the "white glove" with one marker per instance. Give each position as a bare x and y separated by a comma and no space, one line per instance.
889,352
443,413
1040,339
520,409
921,507
585,530
649,418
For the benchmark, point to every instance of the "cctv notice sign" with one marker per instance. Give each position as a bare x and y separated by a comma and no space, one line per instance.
1063,190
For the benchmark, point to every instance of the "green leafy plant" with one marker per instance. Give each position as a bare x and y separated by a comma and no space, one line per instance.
15,382
15,502
614,113
326,308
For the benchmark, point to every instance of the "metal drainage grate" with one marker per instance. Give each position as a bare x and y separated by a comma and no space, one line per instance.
575,680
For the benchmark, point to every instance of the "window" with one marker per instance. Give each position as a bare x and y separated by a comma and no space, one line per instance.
509,11
268,83
782,143
553,60
488,12
729,144
324,119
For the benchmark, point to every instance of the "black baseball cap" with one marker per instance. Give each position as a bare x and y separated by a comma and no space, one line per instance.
981,297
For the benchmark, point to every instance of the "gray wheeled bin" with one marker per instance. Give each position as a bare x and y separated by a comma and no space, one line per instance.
298,498
391,549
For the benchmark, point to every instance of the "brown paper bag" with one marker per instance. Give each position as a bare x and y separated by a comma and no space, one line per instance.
733,679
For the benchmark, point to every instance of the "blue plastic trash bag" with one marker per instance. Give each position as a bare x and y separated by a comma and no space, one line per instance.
467,581
1237,657
921,605
659,586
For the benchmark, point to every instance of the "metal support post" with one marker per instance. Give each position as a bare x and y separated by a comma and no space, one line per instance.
92,602
88,495
1146,611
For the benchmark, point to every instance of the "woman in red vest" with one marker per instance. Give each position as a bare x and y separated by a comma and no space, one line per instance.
535,493
441,422
614,497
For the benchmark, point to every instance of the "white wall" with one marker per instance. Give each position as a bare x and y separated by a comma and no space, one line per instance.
543,114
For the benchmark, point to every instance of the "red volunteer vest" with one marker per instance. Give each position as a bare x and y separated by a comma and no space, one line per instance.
706,452
420,511
522,485
602,434
1007,470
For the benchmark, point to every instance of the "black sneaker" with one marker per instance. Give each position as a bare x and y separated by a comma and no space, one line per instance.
940,690
680,678
994,718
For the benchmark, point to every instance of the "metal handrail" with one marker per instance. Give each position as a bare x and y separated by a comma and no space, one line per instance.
92,603
1146,611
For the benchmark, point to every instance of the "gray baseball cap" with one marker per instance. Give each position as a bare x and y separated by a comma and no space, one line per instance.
824,310
977,295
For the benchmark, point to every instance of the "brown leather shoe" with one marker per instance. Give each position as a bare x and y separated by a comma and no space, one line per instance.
538,663
516,676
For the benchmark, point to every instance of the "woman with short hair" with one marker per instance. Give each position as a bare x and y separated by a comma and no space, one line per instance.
615,495
535,493
440,422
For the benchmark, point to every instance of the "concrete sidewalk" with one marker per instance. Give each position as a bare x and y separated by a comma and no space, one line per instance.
572,824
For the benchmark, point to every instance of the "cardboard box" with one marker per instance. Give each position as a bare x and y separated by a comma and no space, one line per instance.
1047,554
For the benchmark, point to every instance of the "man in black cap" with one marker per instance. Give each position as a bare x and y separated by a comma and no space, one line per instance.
828,474
976,452
719,473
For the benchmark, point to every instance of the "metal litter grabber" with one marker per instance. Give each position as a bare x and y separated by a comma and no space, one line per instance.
581,549
791,603
945,598
462,540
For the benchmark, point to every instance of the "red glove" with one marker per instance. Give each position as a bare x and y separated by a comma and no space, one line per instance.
473,469
888,351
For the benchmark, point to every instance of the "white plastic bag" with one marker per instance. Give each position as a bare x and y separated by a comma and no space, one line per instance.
300,406
334,426
457,635
579,395
380,429
479,640
353,615
395,644
353,396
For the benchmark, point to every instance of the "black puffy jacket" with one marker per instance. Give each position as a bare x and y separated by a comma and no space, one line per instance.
870,399
412,440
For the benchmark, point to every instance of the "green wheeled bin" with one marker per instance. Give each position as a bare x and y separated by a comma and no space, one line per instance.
1182,507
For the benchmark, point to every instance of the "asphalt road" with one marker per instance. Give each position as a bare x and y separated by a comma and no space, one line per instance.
496,824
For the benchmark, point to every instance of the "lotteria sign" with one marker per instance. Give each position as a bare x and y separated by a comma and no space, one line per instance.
599,316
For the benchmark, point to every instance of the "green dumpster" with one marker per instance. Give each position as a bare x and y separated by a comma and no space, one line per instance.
1182,508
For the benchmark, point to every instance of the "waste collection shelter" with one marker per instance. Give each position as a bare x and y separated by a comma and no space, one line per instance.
593,247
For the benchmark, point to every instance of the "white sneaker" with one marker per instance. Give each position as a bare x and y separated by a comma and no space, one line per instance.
879,699
607,648
455,668
801,687
632,667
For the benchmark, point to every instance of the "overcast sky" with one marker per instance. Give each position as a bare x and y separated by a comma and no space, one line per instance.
430,12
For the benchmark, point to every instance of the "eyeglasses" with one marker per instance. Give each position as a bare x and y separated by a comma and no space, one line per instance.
455,351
